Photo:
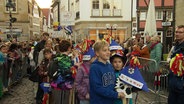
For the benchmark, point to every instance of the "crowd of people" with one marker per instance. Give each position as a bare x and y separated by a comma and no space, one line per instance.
79,73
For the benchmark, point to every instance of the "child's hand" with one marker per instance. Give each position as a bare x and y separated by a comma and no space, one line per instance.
121,95
87,96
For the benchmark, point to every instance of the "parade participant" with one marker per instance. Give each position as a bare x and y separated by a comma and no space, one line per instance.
118,61
176,82
82,77
101,77
39,46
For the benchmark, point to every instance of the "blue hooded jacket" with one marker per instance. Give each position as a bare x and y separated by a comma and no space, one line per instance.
102,83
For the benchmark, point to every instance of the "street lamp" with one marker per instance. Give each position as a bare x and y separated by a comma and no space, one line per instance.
111,28
10,6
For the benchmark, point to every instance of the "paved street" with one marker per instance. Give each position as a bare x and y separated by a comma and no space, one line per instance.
23,93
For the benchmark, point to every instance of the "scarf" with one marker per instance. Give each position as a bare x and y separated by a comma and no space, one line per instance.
153,45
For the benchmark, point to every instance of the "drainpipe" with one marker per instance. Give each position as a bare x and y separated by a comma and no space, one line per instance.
174,19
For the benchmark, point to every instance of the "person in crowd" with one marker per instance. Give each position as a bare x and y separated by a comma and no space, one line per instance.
142,49
176,83
60,67
39,46
118,61
137,38
48,44
43,73
102,77
148,41
82,77
156,52
3,51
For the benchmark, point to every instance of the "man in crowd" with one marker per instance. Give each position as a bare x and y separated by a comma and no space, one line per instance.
39,46
176,82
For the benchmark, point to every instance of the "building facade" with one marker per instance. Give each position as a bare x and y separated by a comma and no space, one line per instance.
95,19
179,12
28,19
164,20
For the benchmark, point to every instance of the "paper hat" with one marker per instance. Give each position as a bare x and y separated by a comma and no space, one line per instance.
89,54
132,76
115,46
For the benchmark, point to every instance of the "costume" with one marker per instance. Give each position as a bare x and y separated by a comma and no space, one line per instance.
59,71
176,83
102,83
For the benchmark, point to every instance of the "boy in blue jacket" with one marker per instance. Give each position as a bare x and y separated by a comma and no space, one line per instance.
102,77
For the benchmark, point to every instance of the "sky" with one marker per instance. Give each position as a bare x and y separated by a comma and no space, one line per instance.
44,3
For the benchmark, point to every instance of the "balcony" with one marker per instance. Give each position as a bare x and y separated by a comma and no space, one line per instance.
106,12
116,12
95,12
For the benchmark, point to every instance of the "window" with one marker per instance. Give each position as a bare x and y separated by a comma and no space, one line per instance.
143,15
169,15
106,4
117,4
77,15
160,34
169,32
117,7
95,4
14,4
159,15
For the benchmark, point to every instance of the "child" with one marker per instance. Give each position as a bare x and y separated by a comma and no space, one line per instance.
117,60
82,77
42,72
102,78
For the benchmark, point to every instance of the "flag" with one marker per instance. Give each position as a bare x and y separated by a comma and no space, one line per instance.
68,30
150,27
132,76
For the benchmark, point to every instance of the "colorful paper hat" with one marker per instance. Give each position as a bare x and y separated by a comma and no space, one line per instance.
132,76
115,46
89,54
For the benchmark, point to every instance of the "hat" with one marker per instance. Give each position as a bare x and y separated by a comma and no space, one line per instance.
132,76
115,46
89,54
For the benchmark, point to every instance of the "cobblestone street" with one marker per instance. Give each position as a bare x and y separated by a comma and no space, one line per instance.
23,93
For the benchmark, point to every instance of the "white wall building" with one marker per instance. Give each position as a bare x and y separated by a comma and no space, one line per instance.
92,17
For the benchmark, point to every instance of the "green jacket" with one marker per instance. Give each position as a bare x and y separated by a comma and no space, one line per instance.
156,54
